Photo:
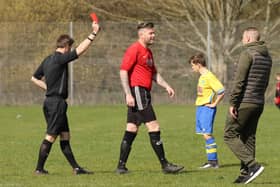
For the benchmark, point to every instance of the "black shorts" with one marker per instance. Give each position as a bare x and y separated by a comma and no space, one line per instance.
55,109
143,111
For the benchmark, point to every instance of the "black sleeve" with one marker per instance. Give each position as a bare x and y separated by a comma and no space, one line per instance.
67,57
39,73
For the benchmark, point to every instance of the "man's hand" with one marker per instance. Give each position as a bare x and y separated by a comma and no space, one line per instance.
233,112
39,83
170,91
130,100
160,81
95,27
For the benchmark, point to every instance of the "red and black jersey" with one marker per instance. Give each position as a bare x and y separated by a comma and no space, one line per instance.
139,63
277,93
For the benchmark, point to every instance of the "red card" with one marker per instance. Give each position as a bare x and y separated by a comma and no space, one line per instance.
94,17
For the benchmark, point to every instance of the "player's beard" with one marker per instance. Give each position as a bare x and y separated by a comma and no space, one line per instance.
150,42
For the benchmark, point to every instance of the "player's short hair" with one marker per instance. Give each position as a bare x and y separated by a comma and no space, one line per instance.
64,40
198,59
254,33
143,25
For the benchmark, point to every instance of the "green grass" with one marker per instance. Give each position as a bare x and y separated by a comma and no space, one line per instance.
96,134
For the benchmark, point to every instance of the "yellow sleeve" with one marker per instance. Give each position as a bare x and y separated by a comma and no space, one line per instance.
216,85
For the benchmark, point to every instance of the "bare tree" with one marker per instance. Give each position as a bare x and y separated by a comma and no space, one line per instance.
226,18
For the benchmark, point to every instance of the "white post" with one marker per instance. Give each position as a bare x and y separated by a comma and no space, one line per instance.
208,44
71,76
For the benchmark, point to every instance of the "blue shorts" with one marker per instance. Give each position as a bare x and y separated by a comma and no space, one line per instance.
205,119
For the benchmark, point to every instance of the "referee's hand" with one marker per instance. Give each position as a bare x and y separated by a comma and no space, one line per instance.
95,27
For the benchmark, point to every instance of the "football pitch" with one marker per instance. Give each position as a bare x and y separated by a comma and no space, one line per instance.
96,133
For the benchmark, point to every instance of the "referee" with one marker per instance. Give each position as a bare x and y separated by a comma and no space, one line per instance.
52,76
137,72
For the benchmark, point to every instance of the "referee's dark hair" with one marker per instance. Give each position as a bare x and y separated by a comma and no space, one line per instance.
143,25
64,40
198,59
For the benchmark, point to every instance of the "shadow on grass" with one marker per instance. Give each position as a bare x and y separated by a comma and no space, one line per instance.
237,164
147,171
229,165
270,183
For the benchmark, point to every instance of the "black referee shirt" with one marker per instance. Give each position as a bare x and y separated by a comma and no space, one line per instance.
55,70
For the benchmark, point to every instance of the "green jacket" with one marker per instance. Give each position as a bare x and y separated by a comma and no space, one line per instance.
243,69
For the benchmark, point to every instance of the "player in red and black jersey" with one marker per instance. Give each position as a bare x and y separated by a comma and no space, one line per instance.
137,72
277,92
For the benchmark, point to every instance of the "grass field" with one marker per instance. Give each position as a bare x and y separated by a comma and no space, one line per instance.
96,135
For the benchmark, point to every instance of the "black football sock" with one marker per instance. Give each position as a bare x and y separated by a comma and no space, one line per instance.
66,149
43,154
126,143
158,147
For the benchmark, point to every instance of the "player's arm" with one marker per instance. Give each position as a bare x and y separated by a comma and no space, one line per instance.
219,90
86,43
125,82
126,88
160,81
41,84
220,96
129,59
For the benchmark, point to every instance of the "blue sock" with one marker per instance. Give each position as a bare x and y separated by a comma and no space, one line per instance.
211,149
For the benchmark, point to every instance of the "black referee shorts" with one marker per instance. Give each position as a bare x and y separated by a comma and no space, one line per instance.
55,109
143,111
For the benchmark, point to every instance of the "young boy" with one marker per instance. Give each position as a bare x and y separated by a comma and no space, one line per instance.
277,92
210,92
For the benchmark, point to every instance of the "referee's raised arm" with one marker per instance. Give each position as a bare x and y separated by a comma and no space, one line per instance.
84,45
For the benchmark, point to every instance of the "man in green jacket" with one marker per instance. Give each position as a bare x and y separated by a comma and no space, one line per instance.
247,102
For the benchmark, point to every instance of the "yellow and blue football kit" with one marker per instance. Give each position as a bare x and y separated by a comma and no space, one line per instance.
207,90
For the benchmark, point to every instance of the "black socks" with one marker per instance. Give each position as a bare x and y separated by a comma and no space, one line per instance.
66,149
126,143
158,147
155,142
45,150
43,154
